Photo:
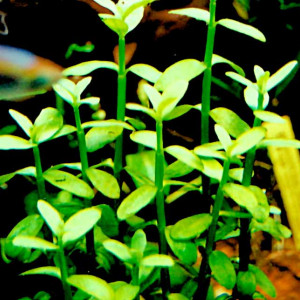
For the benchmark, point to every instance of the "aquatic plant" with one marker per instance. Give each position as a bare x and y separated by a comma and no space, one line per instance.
107,209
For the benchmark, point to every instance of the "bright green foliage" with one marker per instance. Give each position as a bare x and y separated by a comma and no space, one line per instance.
222,269
218,170
68,182
136,201
93,286
246,283
29,226
186,251
190,227
104,182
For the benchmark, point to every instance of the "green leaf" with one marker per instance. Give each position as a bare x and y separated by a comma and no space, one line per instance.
273,227
68,182
268,116
171,96
190,227
29,226
223,136
22,120
80,223
108,222
239,78
104,182
119,249
242,195
81,85
51,271
193,12
127,292
157,260
217,59
186,251
115,24
279,143
186,156
147,72
90,101
134,106
93,286
177,169
136,201
242,28
134,18
46,125
65,130
246,283
52,217
262,211
145,137
263,281
193,185
281,74
88,67
228,119
34,242
106,123
98,137
176,296
251,96
141,166
246,141
212,168
186,69
139,241
178,111
63,93
9,142
154,95
205,151
28,171
222,269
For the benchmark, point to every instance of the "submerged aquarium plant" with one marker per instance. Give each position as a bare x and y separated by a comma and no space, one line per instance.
113,204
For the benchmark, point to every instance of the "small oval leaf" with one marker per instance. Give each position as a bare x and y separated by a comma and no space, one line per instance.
136,201
104,182
190,227
93,286
80,223
222,269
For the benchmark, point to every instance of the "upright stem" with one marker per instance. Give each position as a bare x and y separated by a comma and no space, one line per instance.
204,278
245,235
64,271
84,166
135,278
39,173
207,79
206,91
81,143
121,102
160,204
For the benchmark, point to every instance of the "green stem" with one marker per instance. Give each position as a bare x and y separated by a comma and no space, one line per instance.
64,271
135,278
245,235
39,173
160,204
204,273
81,143
121,103
207,79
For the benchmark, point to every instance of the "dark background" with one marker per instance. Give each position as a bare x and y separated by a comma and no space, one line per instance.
48,27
